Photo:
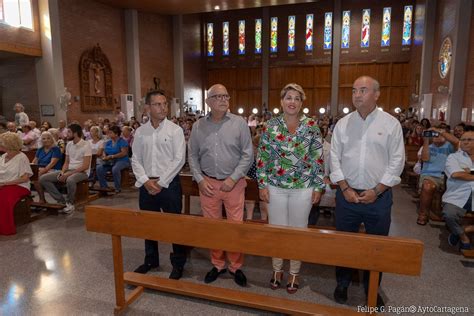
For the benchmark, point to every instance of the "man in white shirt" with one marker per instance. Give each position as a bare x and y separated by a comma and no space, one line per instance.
76,168
457,200
367,158
159,152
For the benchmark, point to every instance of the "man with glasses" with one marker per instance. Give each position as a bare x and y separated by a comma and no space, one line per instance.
366,160
159,153
220,154
458,196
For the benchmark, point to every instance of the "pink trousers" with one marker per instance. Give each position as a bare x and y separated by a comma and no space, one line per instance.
234,206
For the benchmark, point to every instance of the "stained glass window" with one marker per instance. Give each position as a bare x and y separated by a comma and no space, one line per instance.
241,37
309,32
386,24
291,33
346,29
274,35
225,39
407,24
210,39
327,30
365,31
258,36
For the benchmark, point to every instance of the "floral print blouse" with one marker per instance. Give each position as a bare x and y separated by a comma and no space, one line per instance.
291,161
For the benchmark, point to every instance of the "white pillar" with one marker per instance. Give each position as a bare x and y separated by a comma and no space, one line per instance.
133,58
49,68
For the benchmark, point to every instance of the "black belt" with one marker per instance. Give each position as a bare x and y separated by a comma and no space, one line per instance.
154,178
212,177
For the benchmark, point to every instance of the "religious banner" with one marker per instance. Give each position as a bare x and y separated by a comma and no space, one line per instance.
386,24
365,31
225,39
241,37
327,30
407,25
309,32
210,39
291,33
346,29
274,35
258,36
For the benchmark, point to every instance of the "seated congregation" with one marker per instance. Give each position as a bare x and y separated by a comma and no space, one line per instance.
282,165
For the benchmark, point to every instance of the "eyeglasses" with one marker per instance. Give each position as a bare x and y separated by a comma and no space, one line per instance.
220,97
467,139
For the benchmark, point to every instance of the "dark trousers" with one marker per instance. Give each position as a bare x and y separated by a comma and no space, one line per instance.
376,218
170,201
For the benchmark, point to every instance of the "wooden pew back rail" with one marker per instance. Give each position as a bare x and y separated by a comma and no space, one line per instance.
374,253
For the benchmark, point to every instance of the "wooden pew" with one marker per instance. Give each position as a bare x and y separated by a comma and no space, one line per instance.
374,253
190,188
411,157
31,154
21,211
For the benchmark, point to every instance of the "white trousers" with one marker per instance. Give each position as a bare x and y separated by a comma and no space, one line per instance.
289,207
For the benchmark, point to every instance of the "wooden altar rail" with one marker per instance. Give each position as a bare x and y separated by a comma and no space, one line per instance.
360,251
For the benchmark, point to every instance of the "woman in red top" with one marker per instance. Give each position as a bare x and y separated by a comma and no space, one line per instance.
15,173
416,137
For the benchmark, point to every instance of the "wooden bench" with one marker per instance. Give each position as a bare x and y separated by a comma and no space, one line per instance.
374,253
190,188
21,211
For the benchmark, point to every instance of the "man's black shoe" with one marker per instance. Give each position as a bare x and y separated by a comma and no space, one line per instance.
176,274
144,268
212,275
239,277
340,294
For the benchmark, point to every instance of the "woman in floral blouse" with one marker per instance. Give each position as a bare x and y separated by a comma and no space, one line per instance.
290,172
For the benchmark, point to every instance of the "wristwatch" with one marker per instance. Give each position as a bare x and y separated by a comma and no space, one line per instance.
377,192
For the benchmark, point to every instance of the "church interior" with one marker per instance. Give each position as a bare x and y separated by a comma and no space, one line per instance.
93,63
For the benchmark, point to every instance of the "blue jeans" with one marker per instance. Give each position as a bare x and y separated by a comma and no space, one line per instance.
116,169
376,218
170,201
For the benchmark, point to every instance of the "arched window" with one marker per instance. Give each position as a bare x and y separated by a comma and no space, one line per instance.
16,13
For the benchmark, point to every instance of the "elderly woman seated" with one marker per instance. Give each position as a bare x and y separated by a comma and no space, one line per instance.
15,173
114,158
48,158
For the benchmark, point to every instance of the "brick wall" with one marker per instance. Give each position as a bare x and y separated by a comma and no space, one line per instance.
155,33
83,24
18,84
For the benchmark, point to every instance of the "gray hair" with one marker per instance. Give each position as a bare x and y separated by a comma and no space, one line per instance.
20,106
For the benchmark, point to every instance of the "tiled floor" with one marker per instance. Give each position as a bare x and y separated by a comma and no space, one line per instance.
55,267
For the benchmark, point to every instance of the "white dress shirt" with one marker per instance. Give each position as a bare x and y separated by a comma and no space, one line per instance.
458,191
367,152
159,152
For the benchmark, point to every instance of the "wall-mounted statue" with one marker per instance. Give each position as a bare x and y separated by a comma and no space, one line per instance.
96,81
